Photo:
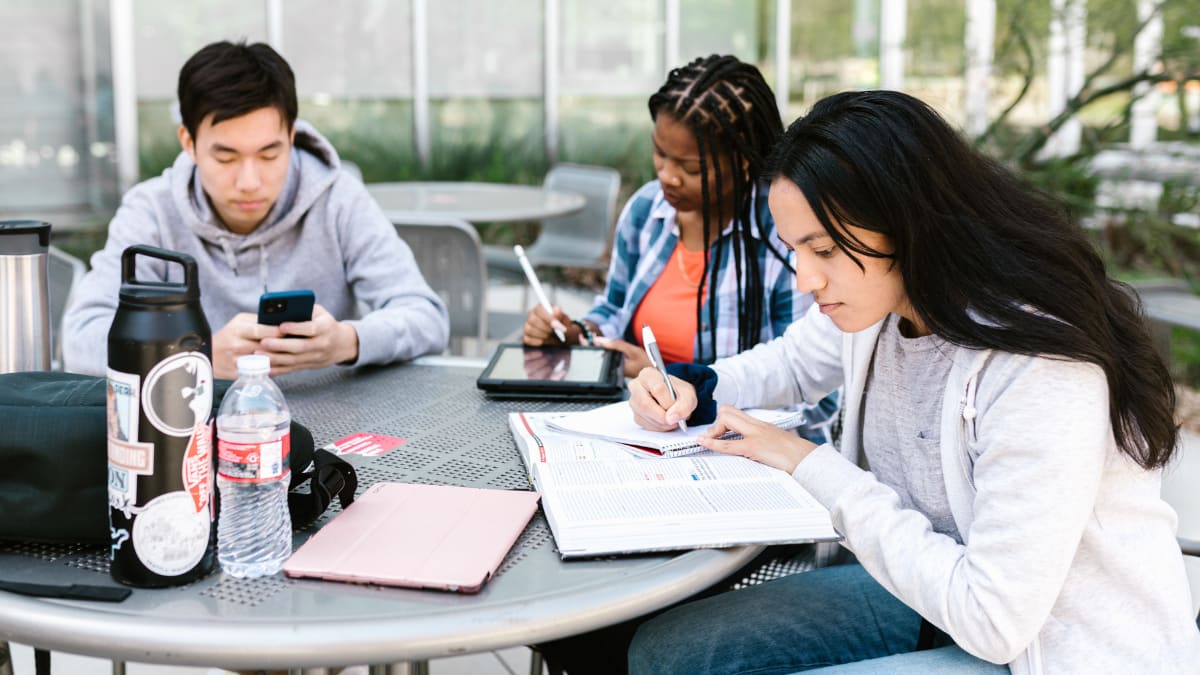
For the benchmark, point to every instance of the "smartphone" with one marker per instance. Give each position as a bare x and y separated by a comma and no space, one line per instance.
280,306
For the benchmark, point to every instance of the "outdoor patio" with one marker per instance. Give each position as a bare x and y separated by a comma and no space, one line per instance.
1100,105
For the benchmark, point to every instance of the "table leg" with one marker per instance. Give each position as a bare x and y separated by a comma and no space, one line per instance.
5,660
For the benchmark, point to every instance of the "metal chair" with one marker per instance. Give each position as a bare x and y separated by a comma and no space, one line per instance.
63,271
450,256
578,240
1191,551
1169,303
1178,490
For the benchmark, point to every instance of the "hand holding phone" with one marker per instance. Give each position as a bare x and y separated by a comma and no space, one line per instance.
283,306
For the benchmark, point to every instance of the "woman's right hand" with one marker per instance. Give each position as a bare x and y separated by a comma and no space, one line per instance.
651,400
539,326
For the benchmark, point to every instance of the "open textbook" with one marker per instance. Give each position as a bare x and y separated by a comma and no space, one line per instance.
615,422
602,498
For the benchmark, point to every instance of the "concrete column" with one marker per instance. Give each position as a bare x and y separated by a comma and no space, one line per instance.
893,27
1143,125
980,47
1064,76
420,77
550,77
124,86
671,54
783,55
274,9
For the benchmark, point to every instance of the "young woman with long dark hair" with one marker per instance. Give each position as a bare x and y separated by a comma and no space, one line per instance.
1006,423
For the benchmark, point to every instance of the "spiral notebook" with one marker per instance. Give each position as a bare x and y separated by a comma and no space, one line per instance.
615,423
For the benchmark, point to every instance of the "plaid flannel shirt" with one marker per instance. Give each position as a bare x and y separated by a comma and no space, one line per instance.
645,238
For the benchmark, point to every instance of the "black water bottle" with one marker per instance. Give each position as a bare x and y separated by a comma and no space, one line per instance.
160,432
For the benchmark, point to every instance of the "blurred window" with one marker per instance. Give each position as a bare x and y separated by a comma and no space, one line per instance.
835,47
721,27
56,136
349,49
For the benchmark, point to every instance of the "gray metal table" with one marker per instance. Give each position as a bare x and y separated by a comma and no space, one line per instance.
473,202
455,436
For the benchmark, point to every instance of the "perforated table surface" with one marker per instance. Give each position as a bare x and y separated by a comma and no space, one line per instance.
455,436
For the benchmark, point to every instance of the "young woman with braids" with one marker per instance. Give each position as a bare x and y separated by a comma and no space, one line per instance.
696,256
1005,394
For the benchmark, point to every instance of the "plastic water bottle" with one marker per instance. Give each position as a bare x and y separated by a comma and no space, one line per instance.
254,531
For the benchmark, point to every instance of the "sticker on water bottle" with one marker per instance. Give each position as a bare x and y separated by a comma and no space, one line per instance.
178,393
127,458
197,466
169,536
121,395
254,462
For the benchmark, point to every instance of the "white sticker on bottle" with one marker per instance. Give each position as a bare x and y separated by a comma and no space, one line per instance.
270,459
122,394
178,393
122,488
170,536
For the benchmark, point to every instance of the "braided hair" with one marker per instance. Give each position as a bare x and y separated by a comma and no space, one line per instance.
731,111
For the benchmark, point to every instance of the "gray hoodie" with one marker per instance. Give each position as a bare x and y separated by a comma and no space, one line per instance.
324,233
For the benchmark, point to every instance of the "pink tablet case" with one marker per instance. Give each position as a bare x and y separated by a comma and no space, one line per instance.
419,536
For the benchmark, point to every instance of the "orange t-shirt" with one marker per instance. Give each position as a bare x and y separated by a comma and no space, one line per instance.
670,306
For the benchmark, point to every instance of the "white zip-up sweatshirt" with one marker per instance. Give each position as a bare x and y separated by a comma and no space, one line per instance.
1069,562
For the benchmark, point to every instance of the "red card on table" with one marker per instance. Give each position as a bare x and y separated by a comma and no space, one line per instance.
363,443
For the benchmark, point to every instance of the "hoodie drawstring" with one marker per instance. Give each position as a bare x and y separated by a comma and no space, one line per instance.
230,256
263,260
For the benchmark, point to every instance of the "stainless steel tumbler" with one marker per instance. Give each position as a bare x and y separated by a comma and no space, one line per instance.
24,296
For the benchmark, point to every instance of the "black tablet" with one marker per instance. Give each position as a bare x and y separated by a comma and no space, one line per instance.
517,371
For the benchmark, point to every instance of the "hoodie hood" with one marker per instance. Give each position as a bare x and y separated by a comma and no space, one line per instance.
313,167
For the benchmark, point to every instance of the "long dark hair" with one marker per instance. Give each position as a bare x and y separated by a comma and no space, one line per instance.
988,261
731,111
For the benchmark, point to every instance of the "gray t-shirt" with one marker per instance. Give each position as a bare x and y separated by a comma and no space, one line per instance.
901,420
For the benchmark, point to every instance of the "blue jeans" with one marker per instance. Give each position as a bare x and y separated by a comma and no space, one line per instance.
826,617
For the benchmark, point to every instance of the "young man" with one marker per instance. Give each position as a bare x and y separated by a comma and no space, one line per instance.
259,200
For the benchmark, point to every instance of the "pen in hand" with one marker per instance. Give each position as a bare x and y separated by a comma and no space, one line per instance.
559,329
651,346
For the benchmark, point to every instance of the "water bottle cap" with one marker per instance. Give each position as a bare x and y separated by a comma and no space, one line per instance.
148,294
253,364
